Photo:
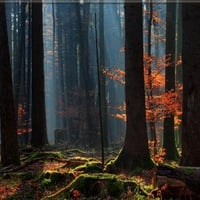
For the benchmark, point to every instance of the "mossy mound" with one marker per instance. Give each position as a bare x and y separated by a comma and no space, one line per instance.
90,167
94,185
126,165
52,178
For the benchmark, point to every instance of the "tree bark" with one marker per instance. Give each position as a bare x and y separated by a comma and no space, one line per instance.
168,133
135,151
9,143
191,85
39,134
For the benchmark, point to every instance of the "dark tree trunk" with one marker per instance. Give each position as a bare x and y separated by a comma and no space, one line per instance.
39,134
135,151
103,77
168,134
152,125
9,144
191,85
28,90
179,70
85,78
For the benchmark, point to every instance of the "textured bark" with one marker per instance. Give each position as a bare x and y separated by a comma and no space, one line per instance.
135,151
39,135
9,143
191,85
168,133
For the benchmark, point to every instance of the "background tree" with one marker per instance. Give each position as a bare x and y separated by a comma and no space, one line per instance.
102,86
39,134
179,71
191,85
168,133
149,88
135,152
9,143
71,72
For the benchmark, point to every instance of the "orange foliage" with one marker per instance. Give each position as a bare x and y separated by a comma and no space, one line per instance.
160,156
179,61
120,116
116,74
157,153
21,122
20,111
156,19
21,131
161,104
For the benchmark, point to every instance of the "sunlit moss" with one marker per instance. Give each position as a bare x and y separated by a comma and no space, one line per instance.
46,182
100,185
90,167
51,178
37,155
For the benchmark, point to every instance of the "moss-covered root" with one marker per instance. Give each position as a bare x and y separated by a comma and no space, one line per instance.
129,164
95,185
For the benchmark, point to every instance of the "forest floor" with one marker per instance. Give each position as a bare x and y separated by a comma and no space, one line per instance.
73,174
44,173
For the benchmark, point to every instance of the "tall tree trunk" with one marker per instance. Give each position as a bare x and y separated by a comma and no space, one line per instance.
179,69
83,66
9,143
191,85
103,77
19,72
28,68
168,134
152,126
39,134
135,151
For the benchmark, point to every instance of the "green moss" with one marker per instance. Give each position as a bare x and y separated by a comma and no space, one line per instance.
129,164
46,182
97,185
77,151
90,167
36,155
138,196
52,177
115,188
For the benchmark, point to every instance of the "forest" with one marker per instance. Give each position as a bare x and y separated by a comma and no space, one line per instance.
99,100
